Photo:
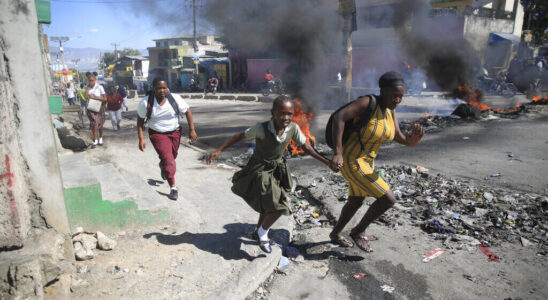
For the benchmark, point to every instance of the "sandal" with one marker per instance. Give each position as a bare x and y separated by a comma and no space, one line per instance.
362,241
341,241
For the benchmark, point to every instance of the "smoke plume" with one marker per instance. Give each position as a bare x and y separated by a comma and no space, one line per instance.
301,32
447,58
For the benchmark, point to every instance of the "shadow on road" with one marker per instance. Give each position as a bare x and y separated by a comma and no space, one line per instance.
227,244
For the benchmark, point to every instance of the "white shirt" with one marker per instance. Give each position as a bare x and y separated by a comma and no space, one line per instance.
70,92
257,131
163,117
97,90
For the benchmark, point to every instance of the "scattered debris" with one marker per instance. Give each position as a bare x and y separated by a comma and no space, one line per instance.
359,275
490,255
525,242
443,207
104,242
422,169
84,243
388,289
430,255
81,253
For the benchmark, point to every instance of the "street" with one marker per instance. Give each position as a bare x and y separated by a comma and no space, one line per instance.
469,152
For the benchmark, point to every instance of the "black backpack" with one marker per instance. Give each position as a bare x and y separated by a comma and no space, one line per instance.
349,126
171,101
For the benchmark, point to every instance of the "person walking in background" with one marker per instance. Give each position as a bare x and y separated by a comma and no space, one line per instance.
114,107
265,182
71,94
355,158
81,97
95,91
161,110
122,91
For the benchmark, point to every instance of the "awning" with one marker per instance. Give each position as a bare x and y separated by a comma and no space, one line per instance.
498,37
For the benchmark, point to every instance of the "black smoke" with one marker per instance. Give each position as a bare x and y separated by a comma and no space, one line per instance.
448,59
301,32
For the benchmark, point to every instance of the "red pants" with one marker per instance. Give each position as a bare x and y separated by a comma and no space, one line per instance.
167,146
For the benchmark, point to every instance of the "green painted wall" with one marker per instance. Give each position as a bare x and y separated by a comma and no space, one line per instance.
86,208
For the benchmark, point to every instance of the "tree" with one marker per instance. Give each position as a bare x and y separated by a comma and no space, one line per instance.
110,58
536,19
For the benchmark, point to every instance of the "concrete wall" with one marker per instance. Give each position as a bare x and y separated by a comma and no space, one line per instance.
31,190
476,30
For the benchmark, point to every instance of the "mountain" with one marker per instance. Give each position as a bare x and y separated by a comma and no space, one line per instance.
89,57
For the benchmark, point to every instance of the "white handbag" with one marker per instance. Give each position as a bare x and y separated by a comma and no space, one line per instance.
94,105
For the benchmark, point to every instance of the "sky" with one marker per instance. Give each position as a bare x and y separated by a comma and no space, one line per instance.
100,23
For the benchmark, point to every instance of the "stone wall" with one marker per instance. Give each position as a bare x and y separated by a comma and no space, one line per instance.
477,29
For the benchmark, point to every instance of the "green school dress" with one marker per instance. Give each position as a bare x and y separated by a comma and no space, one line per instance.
265,182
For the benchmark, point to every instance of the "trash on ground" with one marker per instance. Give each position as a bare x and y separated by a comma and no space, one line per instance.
359,275
490,255
430,255
388,289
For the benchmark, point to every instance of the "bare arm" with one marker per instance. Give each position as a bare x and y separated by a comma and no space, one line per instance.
312,152
231,141
140,128
353,110
410,139
191,132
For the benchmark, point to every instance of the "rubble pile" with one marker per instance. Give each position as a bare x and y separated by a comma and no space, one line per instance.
432,124
84,243
445,208
457,210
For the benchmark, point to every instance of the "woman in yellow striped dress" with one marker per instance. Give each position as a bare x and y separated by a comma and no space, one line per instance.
355,159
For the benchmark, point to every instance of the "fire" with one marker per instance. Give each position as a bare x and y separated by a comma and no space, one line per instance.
540,99
472,96
302,119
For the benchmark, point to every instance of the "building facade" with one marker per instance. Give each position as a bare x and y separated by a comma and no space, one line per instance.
173,59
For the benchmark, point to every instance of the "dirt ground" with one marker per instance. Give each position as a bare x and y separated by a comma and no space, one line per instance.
471,151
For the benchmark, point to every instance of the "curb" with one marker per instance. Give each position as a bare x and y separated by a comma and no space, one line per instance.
237,97
256,272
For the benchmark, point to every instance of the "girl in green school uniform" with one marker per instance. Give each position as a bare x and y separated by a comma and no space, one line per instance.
265,182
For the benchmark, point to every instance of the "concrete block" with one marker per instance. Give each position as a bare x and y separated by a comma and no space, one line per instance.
113,187
25,278
227,97
76,172
247,98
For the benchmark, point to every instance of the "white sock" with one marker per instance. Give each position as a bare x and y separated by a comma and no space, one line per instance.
174,188
263,234
95,142
100,140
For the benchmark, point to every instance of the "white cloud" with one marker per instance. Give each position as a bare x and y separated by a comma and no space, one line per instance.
93,30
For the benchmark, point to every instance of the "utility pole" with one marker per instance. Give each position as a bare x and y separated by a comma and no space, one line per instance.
75,62
347,8
348,62
60,39
115,50
194,7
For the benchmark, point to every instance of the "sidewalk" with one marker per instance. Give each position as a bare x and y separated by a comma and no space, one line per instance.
205,251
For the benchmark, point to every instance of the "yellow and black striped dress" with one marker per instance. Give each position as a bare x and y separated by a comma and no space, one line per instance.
358,167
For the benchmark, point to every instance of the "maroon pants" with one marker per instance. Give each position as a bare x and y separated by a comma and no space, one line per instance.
167,146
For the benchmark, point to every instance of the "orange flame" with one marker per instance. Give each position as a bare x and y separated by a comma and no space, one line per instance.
540,99
472,96
302,119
